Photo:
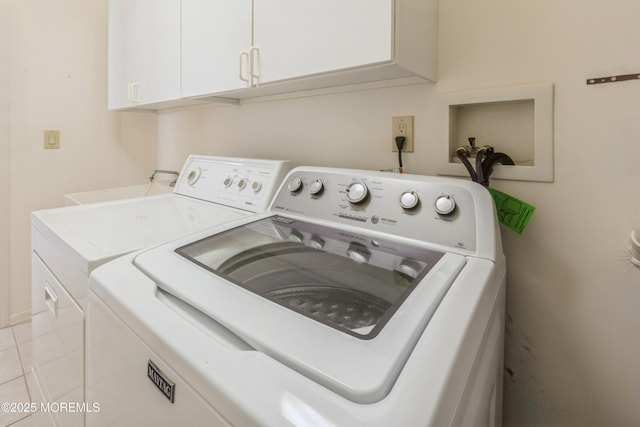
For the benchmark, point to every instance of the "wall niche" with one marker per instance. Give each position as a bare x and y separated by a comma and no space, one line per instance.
515,120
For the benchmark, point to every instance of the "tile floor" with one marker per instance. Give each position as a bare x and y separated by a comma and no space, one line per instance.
16,381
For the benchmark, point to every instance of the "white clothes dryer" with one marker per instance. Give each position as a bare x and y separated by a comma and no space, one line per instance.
68,243
360,299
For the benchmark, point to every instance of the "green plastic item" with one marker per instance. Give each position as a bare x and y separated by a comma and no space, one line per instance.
512,212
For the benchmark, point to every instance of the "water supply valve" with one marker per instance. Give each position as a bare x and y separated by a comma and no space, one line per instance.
471,150
485,160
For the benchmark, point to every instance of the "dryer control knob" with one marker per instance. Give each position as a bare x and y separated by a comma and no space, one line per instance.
316,187
228,181
444,205
256,186
409,200
193,176
357,192
294,184
242,183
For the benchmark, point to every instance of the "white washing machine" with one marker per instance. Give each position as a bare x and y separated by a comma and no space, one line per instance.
68,243
359,299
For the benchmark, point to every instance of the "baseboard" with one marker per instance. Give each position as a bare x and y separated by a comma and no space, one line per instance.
21,317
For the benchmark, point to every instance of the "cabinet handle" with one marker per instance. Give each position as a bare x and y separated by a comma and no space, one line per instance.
51,300
254,63
244,59
132,92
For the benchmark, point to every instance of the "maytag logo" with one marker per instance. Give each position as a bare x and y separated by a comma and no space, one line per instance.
166,386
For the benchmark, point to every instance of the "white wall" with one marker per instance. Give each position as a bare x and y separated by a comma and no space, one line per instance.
572,344
332,130
58,55
5,135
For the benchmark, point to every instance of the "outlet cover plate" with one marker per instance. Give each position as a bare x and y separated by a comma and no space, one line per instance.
402,126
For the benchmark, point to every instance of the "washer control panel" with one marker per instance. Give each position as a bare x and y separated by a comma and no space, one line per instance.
247,184
447,212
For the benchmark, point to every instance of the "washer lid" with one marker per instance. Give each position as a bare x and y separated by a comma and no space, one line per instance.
101,231
340,307
343,279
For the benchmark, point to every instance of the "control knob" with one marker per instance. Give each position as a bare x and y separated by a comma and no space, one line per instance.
242,183
444,205
228,181
256,186
357,192
194,176
409,200
316,187
294,184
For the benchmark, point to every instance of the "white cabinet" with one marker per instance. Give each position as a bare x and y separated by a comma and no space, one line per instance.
298,45
214,32
162,52
297,38
144,52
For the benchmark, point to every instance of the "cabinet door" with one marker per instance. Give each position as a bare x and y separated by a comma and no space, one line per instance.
214,32
299,37
144,52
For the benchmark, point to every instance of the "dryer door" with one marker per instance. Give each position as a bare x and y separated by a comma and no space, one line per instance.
57,327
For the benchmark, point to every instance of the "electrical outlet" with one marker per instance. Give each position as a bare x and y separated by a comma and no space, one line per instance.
402,126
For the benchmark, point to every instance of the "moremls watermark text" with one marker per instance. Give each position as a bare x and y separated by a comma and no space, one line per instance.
56,407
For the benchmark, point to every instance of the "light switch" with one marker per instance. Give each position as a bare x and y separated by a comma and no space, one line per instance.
51,139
